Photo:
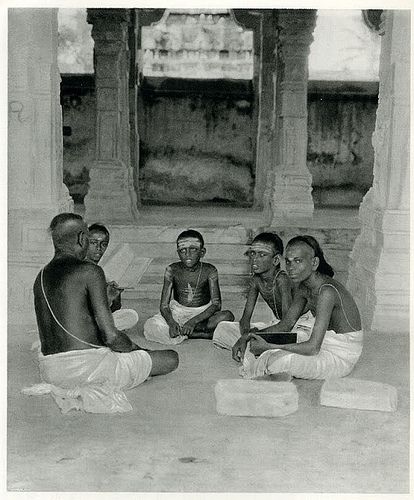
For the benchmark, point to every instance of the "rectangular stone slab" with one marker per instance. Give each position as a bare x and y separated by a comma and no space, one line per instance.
255,398
358,394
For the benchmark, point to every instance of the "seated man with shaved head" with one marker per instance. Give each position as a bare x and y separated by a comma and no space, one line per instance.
85,362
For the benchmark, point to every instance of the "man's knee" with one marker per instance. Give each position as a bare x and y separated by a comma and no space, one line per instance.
163,362
226,316
173,360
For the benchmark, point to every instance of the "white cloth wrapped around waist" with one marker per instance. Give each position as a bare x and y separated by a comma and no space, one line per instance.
92,380
337,357
227,333
157,329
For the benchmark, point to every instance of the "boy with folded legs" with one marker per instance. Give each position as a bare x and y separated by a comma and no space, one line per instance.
190,299
269,281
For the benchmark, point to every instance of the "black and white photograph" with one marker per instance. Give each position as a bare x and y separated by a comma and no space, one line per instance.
208,249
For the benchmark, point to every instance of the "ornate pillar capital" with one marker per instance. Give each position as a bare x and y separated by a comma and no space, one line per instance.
296,28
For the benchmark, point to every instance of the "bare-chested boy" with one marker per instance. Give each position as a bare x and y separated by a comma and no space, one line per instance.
190,299
269,281
333,345
85,361
98,243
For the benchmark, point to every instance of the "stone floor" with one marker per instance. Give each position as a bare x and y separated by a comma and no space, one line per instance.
174,441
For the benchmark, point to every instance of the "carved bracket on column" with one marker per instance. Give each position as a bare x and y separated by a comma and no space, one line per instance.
248,18
111,197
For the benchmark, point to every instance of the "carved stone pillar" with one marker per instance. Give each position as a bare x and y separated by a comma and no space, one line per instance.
263,22
139,18
266,93
36,190
379,270
290,180
111,197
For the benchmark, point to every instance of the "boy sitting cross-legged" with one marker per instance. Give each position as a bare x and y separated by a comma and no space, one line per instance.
268,280
190,298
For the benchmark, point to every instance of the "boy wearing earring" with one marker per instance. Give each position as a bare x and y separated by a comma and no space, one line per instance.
269,280
190,299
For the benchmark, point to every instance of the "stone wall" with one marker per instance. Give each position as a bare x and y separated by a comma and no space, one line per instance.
196,141
192,153
340,157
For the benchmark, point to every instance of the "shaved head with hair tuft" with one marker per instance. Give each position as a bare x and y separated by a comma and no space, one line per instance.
65,229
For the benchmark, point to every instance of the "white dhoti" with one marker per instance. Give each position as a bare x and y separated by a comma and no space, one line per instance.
337,357
125,319
227,333
92,380
157,329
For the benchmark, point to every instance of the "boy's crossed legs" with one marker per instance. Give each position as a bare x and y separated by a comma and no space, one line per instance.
157,329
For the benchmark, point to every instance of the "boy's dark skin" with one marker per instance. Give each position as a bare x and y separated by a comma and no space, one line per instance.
76,291
331,311
98,243
274,286
193,284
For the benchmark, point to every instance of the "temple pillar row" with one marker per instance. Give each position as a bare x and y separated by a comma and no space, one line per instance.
290,181
379,268
36,192
111,198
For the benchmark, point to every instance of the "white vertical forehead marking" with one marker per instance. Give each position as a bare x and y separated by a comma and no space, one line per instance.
188,242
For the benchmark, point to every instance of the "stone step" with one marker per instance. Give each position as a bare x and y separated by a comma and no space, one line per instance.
234,267
233,234
153,291
338,258
224,279
217,251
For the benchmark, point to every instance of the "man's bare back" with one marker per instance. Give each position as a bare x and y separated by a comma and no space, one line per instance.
67,284
78,315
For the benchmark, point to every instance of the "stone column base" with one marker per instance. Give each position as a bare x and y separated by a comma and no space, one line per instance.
291,198
379,269
29,249
111,198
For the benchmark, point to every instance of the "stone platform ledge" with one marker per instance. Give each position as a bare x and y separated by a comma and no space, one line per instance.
168,234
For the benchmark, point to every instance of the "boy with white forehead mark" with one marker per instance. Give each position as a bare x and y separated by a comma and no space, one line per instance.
190,299
98,243
268,280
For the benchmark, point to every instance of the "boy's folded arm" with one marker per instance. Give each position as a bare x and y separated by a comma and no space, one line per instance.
252,295
285,291
215,294
166,297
